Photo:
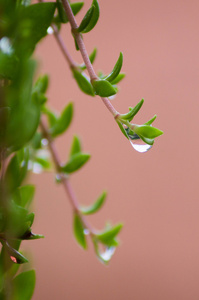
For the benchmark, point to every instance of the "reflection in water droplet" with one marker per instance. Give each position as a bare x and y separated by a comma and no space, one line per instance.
58,178
50,30
44,142
108,253
140,146
86,231
13,259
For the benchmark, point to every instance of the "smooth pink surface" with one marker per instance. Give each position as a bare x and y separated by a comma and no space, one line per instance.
155,194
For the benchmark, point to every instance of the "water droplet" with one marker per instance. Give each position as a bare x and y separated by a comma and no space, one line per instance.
5,45
86,231
44,142
140,146
108,253
13,259
50,30
58,178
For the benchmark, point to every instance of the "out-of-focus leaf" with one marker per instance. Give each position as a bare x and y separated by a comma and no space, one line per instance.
92,57
76,7
63,121
76,162
14,255
78,229
108,236
23,285
95,206
76,146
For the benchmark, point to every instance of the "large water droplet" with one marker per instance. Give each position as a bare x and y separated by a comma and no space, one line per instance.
140,146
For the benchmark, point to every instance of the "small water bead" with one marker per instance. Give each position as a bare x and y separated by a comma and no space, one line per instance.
5,45
86,231
44,142
50,30
37,168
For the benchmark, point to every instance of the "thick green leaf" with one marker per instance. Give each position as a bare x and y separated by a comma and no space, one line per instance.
41,84
26,194
151,120
76,146
83,82
8,65
76,162
103,88
132,111
23,285
108,236
147,131
92,57
122,129
118,78
95,206
78,229
91,18
63,121
116,70
34,21
86,19
14,255
76,7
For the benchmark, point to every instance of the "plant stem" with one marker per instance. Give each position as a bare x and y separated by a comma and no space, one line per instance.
65,182
84,53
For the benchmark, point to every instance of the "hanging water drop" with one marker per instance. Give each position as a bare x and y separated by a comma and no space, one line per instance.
107,254
86,231
140,146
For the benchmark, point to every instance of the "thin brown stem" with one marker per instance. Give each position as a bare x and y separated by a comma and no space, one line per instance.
65,182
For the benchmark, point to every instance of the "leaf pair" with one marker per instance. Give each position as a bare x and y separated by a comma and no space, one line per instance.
76,159
83,82
90,19
105,87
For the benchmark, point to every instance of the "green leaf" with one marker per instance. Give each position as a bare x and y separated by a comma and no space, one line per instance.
26,194
14,255
151,120
132,111
76,146
78,229
8,65
23,285
86,19
122,129
95,206
30,219
92,57
103,88
76,162
118,78
108,236
28,235
76,7
41,84
51,116
147,131
44,162
116,70
90,19
83,82
34,21
63,121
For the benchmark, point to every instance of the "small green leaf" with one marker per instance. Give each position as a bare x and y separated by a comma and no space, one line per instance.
76,162
95,206
8,65
132,111
44,162
26,194
78,229
76,7
116,70
41,84
103,88
118,78
147,131
14,255
83,82
30,219
63,121
91,16
108,236
23,285
122,129
86,19
76,146
92,57
52,117
151,120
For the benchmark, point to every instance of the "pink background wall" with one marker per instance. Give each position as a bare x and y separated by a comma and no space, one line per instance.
155,194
